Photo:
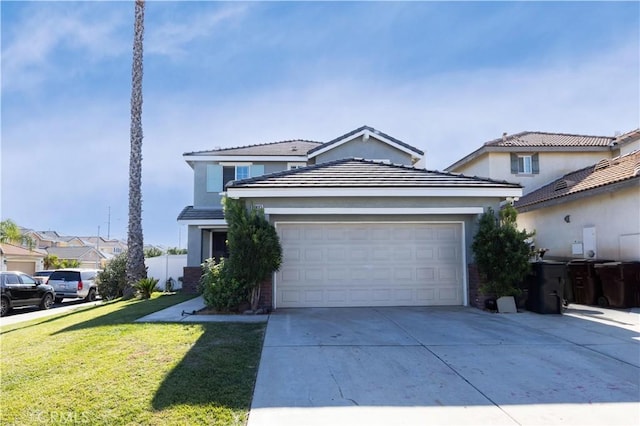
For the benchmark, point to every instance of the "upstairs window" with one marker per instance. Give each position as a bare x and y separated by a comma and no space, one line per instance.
242,172
218,176
525,164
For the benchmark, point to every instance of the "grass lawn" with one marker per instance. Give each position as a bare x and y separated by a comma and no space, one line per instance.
97,366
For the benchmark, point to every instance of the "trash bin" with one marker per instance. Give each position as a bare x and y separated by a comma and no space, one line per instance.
619,284
631,276
586,284
546,287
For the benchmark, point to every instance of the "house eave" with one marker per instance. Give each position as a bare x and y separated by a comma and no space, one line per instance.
606,189
279,192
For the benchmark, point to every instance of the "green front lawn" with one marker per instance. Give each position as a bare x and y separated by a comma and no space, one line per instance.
97,366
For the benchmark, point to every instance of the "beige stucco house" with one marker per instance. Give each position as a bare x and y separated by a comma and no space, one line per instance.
591,213
534,159
16,258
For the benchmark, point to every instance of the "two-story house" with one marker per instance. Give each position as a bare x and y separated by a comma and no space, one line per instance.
380,231
580,192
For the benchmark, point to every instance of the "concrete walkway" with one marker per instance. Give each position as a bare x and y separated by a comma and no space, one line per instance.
186,312
448,366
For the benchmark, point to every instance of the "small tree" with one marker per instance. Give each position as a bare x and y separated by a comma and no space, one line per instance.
501,252
10,233
254,247
113,279
152,252
176,250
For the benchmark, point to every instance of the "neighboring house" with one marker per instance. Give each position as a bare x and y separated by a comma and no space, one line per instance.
87,256
112,247
213,170
354,232
593,212
16,258
534,159
46,239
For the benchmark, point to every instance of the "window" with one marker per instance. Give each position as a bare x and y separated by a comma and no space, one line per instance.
242,172
219,175
293,166
525,164
230,173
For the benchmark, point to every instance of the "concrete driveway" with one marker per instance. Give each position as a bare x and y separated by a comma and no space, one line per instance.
453,366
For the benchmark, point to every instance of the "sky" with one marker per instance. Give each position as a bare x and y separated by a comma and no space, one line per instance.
444,77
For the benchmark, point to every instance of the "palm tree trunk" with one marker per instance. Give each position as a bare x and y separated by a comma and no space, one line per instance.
135,257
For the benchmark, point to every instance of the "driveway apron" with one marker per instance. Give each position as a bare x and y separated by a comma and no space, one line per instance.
459,366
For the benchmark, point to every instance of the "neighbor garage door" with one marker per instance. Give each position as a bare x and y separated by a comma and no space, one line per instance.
369,264
26,267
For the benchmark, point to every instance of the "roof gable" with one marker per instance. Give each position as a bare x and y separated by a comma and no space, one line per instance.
365,132
602,174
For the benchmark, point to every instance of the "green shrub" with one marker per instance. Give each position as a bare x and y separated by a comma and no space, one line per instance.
501,253
254,247
113,278
146,287
219,289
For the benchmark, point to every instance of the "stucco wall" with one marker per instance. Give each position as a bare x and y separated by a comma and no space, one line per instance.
194,246
613,214
372,149
553,165
202,198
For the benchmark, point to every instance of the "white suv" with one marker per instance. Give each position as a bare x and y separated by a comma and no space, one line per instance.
74,283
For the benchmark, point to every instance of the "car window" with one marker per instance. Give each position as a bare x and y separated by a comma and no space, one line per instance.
26,279
12,279
64,276
88,275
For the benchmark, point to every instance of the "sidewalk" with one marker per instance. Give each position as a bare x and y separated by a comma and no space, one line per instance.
186,312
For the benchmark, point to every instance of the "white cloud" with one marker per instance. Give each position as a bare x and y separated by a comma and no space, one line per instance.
173,36
30,56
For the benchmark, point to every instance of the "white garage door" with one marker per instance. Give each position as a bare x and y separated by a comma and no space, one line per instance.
369,264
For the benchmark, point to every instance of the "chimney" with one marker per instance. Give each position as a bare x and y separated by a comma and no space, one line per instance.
504,136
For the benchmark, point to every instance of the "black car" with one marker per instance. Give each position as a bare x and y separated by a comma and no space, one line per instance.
20,289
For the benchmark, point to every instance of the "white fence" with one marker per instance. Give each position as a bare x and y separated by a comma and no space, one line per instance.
166,266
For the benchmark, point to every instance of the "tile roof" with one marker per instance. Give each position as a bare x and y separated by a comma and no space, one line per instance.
191,213
72,252
605,172
292,147
372,130
13,250
539,139
360,173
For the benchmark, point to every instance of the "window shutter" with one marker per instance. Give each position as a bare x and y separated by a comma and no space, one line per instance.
514,164
256,170
535,164
214,178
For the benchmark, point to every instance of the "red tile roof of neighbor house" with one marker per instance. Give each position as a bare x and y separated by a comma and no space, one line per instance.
623,169
11,250
537,139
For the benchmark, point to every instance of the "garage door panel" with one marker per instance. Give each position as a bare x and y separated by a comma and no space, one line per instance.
370,264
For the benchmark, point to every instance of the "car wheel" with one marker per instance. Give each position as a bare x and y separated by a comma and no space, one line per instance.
5,307
91,297
47,301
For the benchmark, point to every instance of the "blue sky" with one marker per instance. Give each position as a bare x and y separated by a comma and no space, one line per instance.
442,76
